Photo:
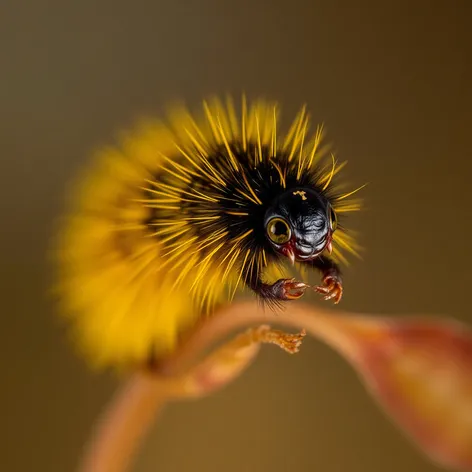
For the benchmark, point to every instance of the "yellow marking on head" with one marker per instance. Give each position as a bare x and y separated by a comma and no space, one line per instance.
302,194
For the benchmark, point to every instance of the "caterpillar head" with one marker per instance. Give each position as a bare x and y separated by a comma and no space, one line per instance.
300,224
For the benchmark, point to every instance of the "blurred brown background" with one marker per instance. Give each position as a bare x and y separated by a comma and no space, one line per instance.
391,81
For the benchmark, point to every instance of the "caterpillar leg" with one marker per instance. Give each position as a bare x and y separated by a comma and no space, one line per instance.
287,341
283,290
331,288
332,285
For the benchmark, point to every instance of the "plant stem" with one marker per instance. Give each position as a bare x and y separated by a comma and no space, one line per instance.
136,404
124,423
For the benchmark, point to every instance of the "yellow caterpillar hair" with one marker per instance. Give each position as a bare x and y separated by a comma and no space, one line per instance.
182,215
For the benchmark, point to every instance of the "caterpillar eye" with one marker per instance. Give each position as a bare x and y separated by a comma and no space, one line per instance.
333,219
278,231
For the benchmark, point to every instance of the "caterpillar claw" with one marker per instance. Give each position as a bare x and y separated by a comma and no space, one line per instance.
332,289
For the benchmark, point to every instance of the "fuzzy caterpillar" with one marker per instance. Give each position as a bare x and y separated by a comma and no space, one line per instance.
170,223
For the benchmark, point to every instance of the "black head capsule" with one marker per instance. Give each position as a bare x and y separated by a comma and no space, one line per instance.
300,224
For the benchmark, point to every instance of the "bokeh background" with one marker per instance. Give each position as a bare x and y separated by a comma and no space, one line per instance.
392,83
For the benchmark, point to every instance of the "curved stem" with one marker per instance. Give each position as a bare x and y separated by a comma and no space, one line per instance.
240,315
130,414
119,432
